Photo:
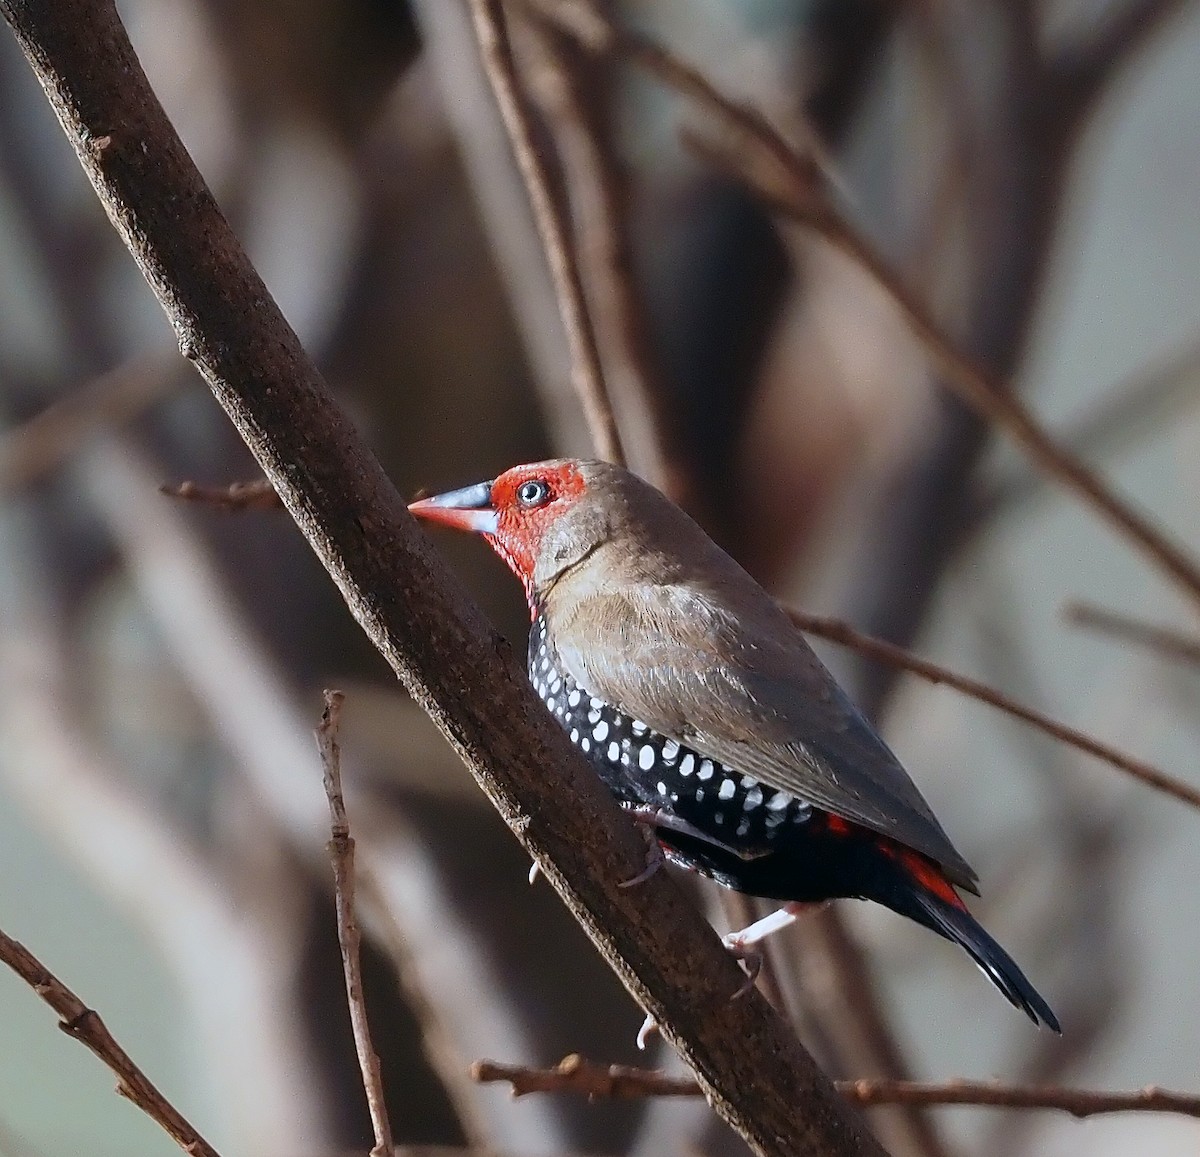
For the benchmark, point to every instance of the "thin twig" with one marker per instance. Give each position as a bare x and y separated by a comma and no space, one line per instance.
1133,409
256,495
341,854
796,184
837,631
586,372
1167,641
585,22
598,193
84,1025
983,392
574,1074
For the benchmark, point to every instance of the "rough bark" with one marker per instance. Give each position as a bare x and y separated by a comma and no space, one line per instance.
751,1066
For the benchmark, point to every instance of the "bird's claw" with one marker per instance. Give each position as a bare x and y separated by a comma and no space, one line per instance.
747,956
654,859
750,958
648,1029
535,870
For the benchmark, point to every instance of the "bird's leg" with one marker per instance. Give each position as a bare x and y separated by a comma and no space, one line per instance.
742,944
747,955
649,816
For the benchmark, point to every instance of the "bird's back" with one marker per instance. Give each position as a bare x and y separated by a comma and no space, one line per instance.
668,629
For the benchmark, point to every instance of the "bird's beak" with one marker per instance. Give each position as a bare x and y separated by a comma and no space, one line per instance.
467,509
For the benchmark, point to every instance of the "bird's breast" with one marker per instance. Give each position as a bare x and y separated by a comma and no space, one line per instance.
645,768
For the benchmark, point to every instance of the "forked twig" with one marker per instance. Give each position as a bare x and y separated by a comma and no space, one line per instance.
341,854
84,1025
574,1074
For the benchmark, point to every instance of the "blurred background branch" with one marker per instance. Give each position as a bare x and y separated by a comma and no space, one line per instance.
1028,170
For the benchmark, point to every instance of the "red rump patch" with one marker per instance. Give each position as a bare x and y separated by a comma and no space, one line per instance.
927,874
923,871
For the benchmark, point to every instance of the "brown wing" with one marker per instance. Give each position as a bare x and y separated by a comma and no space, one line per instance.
748,691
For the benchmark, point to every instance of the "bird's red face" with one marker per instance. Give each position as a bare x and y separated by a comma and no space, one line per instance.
513,512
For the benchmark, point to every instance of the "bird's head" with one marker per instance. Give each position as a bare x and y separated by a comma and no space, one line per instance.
542,518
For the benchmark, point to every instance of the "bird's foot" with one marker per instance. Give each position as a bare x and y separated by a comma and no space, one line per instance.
742,944
659,819
654,858
749,957
648,1029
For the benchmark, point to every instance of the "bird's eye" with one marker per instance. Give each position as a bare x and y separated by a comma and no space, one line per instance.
532,493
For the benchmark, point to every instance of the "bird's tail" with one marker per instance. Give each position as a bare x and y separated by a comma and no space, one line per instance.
939,909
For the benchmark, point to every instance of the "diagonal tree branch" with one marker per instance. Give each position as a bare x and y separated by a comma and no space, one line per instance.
1166,641
882,651
749,1063
84,1025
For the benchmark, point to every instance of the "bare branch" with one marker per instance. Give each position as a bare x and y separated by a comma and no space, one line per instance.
795,184
574,1074
845,635
256,495
619,1082
84,1025
597,187
1133,409
1167,641
757,1074
586,372
987,395
341,854
583,20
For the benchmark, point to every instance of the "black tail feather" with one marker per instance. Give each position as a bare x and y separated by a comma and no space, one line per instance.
957,924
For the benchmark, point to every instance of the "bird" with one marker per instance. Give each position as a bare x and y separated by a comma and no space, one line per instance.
704,711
